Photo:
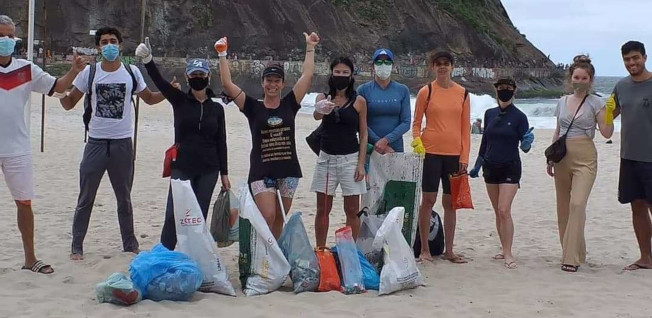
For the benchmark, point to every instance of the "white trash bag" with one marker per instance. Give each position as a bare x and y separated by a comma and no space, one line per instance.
194,239
263,267
400,269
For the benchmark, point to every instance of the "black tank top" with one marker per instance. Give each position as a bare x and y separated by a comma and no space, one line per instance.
340,135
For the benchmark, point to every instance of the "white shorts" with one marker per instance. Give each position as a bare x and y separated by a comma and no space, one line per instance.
19,176
334,170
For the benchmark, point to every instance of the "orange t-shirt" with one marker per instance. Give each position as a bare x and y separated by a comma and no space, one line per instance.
448,121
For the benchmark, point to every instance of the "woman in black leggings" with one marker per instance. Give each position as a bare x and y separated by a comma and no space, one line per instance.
199,133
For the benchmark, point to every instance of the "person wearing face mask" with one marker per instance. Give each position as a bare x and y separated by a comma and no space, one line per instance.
343,148
274,164
109,116
199,135
632,99
445,143
388,104
505,127
577,117
18,79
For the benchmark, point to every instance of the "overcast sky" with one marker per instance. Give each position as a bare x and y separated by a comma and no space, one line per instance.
565,28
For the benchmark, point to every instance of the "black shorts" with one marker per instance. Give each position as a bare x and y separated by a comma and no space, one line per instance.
635,181
499,173
438,167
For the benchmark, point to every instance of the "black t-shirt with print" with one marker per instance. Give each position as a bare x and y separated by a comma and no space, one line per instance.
273,151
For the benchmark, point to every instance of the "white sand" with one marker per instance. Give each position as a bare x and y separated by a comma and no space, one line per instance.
482,288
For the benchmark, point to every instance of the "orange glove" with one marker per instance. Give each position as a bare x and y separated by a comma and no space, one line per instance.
220,46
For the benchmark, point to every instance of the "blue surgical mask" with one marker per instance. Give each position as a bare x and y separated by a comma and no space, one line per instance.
110,52
7,46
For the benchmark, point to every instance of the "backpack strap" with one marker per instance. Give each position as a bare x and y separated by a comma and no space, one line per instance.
88,109
428,100
134,82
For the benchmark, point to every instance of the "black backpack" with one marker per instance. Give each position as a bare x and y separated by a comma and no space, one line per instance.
435,237
88,110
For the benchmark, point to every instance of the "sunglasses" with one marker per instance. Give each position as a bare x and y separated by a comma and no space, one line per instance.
381,62
336,115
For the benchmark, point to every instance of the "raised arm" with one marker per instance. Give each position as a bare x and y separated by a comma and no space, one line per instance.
144,51
303,84
64,82
71,99
232,91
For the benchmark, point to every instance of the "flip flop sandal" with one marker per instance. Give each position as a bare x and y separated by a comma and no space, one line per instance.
39,267
510,265
569,268
634,267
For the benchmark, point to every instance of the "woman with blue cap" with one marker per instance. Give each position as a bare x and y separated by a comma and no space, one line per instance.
199,135
388,105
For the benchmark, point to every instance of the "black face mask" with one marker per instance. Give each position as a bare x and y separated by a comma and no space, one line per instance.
339,82
198,83
504,95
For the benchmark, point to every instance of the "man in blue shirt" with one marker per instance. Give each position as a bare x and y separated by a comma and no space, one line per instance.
388,105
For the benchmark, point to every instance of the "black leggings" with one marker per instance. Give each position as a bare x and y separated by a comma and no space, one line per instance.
203,186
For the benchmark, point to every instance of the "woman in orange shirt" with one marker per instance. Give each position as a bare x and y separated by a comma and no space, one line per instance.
445,142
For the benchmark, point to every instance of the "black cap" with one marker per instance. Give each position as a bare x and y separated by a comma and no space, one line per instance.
444,54
506,80
274,70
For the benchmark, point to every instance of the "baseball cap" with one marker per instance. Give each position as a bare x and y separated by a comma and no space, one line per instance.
197,65
386,52
274,70
506,80
444,54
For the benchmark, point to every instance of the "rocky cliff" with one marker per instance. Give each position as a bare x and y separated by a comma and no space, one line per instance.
479,32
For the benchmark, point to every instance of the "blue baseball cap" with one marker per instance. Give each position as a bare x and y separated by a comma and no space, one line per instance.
197,65
387,52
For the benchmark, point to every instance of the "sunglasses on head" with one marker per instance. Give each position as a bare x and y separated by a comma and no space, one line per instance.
381,62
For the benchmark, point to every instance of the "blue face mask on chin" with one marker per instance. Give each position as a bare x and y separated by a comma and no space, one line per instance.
7,46
110,52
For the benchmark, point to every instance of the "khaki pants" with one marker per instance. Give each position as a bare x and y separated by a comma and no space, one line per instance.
574,178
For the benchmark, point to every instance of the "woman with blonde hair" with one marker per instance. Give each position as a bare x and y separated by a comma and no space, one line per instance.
578,114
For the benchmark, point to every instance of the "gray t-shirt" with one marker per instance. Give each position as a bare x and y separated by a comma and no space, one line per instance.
634,99
585,122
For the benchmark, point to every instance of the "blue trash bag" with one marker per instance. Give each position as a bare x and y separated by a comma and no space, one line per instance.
162,274
295,244
370,276
118,289
347,253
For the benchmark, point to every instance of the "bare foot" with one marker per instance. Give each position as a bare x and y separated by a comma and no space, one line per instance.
76,257
457,259
425,256
499,256
637,266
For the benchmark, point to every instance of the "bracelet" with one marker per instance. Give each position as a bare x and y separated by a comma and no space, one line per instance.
310,50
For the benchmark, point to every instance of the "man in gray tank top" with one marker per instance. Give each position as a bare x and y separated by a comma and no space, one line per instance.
632,99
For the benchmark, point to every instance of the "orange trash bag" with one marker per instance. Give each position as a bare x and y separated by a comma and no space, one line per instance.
329,278
461,191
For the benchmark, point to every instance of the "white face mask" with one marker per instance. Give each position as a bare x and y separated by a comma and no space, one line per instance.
383,71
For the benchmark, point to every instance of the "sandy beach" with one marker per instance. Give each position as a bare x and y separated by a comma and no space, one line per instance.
482,288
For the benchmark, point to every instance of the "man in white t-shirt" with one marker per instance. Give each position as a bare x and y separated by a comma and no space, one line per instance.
18,78
110,129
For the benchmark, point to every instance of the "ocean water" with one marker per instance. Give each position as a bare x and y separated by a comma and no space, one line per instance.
540,111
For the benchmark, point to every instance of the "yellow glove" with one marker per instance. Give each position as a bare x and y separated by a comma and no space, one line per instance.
609,106
417,146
